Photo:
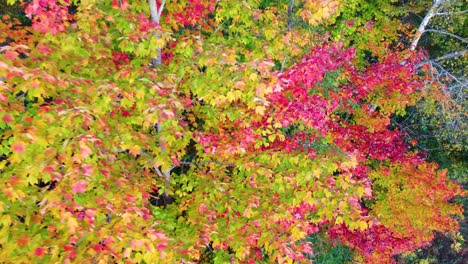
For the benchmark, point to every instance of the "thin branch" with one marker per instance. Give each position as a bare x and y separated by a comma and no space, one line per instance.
443,32
451,13
197,164
283,64
451,55
290,14
446,72
161,9
158,171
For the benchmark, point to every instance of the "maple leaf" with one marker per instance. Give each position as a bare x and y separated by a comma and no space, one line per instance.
85,151
44,49
135,150
10,55
265,139
79,186
22,242
7,118
40,251
18,147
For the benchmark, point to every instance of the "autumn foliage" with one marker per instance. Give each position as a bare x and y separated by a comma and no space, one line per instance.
251,137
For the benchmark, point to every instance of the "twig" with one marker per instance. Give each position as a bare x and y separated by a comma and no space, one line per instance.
451,13
445,57
446,33
197,164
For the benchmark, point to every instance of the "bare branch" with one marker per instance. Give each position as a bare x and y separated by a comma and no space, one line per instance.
158,171
451,13
422,27
290,14
451,55
155,10
283,64
161,8
197,164
446,33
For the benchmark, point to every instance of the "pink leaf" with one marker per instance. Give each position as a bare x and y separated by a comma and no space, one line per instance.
46,50
40,251
79,187
18,147
7,118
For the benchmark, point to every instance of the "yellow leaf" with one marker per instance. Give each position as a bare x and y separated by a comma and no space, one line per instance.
339,220
297,234
72,224
260,109
2,164
362,225
135,150
272,137
253,77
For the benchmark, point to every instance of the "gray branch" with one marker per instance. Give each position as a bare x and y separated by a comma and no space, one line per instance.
197,164
452,13
455,54
451,55
443,32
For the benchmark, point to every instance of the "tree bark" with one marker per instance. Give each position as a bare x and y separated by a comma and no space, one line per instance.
422,27
155,17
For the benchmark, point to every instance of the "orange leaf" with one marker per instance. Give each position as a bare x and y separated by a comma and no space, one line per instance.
22,241
135,150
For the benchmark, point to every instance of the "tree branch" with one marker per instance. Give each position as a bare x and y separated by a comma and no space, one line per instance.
443,32
156,13
422,27
451,55
197,164
452,13
161,8
290,14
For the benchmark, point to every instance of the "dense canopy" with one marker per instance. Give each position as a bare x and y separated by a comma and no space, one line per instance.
175,131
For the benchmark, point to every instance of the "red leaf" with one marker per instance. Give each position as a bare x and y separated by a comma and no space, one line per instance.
98,248
87,169
7,118
10,55
40,251
3,97
46,50
354,202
